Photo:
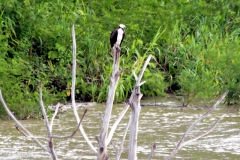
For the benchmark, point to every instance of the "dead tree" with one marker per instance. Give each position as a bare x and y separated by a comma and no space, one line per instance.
105,137
74,63
182,142
102,140
50,149
134,102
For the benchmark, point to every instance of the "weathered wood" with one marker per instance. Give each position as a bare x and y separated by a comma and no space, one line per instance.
18,124
75,131
102,152
74,64
114,126
181,142
50,149
134,102
49,129
120,149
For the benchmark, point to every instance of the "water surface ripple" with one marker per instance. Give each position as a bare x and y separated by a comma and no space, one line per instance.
162,125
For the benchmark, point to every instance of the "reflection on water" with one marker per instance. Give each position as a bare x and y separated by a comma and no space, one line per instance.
162,125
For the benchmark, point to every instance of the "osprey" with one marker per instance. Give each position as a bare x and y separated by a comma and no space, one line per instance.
117,36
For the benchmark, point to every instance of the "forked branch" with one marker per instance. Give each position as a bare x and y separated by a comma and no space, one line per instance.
24,130
134,102
206,132
180,144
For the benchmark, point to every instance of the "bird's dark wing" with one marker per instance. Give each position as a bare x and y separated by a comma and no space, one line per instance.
113,37
123,38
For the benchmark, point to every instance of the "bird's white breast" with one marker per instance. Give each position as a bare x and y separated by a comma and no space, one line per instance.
119,36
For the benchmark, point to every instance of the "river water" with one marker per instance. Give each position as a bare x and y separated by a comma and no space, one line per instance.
162,125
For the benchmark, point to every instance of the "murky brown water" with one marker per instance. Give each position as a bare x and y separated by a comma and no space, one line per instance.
162,125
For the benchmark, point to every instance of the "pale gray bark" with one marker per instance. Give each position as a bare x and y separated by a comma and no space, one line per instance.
120,149
181,142
73,91
24,130
134,102
102,152
114,126
49,130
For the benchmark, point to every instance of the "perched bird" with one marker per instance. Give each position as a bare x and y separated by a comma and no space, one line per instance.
117,36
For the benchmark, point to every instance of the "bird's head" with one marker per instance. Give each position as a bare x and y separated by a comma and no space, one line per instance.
122,26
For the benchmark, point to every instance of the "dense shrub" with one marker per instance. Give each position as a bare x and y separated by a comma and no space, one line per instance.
195,46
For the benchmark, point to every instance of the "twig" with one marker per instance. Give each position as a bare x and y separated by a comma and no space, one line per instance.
73,91
75,131
134,74
54,115
194,124
43,111
143,69
142,83
114,146
19,130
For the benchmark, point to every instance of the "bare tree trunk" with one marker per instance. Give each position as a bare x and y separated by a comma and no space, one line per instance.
136,108
102,152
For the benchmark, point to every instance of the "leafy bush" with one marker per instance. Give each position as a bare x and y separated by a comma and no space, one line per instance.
195,46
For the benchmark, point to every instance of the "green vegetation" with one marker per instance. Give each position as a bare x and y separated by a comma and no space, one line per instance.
195,45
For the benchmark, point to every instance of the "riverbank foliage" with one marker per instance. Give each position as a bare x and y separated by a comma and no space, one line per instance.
195,45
